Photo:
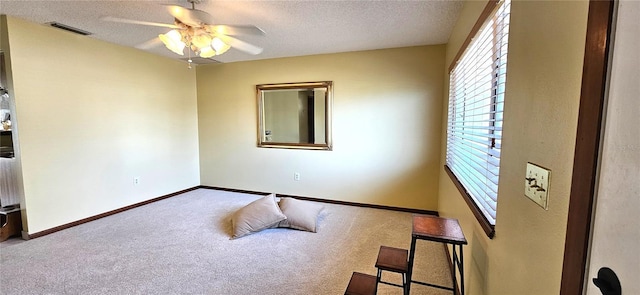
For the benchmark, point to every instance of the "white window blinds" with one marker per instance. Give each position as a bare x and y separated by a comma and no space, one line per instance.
476,104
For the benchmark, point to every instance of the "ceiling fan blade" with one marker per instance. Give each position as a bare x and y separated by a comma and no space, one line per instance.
240,45
136,22
191,17
149,44
234,30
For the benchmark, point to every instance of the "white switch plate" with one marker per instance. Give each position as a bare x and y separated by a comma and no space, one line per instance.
536,185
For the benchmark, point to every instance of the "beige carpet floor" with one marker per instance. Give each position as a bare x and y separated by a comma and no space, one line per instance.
181,245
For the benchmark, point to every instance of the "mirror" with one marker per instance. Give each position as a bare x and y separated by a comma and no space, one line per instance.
6,135
295,115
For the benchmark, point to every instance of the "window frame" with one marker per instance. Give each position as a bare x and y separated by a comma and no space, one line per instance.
486,14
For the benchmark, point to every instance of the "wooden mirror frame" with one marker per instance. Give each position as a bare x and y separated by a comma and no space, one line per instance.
262,139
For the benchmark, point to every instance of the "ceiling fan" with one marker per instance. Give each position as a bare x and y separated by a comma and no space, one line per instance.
194,29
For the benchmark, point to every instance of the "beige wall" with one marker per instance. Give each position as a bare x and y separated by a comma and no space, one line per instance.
546,47
386,127
93,115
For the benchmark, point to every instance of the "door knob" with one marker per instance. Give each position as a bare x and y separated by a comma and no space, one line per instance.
607,281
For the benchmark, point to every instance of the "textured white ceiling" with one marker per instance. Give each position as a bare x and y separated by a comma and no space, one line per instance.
293,28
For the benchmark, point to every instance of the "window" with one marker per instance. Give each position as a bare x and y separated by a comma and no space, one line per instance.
476,103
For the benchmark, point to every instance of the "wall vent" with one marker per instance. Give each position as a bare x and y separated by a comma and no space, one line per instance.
69,28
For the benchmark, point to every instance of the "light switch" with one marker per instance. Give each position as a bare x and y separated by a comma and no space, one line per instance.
536,185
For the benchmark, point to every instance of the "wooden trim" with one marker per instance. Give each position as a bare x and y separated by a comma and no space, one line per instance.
364,205
491,6
401,209
488,228
233,190
112,212
585,162
295,85
293,145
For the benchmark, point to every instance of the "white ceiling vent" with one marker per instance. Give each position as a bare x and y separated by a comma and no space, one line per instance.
68,28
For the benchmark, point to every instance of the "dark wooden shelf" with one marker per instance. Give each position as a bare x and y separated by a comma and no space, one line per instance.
10,224
361,284
392,259
444,230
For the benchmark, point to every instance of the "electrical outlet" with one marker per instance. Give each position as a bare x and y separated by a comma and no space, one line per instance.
536,185
136,180
296,176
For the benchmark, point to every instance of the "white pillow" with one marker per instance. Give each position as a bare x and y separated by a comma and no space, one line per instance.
256,216
302,215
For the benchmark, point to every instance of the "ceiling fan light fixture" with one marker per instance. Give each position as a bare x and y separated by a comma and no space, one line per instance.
193,29
219,46
174,35
173,41
207,52
201,41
